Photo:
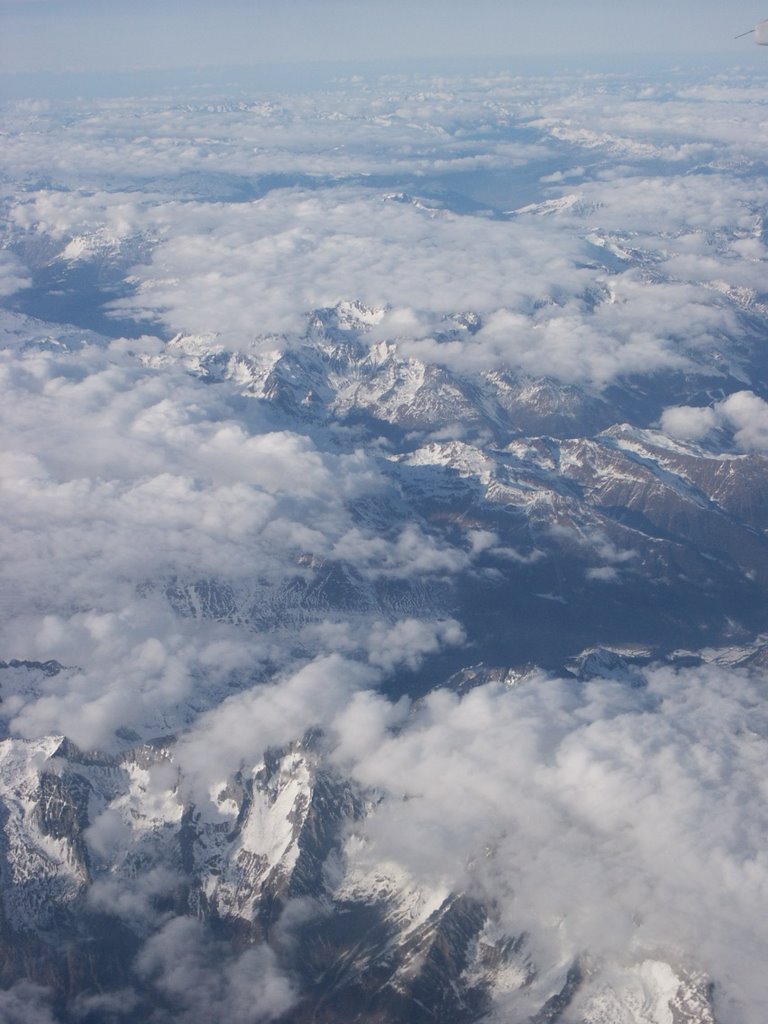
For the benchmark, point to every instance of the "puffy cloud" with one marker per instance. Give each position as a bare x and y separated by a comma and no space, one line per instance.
596,542
409,640
627,122
13,275
606,817
242,146
105,1006
26,1003
413,552
304,215
130,492
548,307
747,416
181,964
244,726
743,413
690,423
132,900
385,644
254,269
598,816
138,667
603,574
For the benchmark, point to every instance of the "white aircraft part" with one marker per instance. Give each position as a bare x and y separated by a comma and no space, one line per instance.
761,33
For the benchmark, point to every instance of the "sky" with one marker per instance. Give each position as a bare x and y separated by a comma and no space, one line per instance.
98,35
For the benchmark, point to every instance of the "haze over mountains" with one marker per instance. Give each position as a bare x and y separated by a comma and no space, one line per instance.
384,548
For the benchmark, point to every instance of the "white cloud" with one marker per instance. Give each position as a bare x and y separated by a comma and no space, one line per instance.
625,820
531,279
602,817
747,416
743,413
182,965
296,251
13,275
603,574
559,293
123,483
106,1006
408,641
26,1003
132,899
689,423
244,726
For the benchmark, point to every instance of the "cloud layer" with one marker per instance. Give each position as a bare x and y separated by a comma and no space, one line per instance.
149,485
426,202
202,560
618,817
623,815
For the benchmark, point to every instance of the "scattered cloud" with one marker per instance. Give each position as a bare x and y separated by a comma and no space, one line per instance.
602,816
150,497
13,275
747,416
408,641
155,527
603,574
106,1006
744,414
644,268
187,970
132,900
267,716
609,816
689,423
26,1003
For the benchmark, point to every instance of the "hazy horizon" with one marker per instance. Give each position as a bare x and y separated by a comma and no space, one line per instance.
85,36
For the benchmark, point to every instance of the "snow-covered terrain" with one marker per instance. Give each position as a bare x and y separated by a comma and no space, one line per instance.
383,511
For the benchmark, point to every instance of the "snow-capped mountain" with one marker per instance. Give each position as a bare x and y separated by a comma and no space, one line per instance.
383,511
624,535
372,943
